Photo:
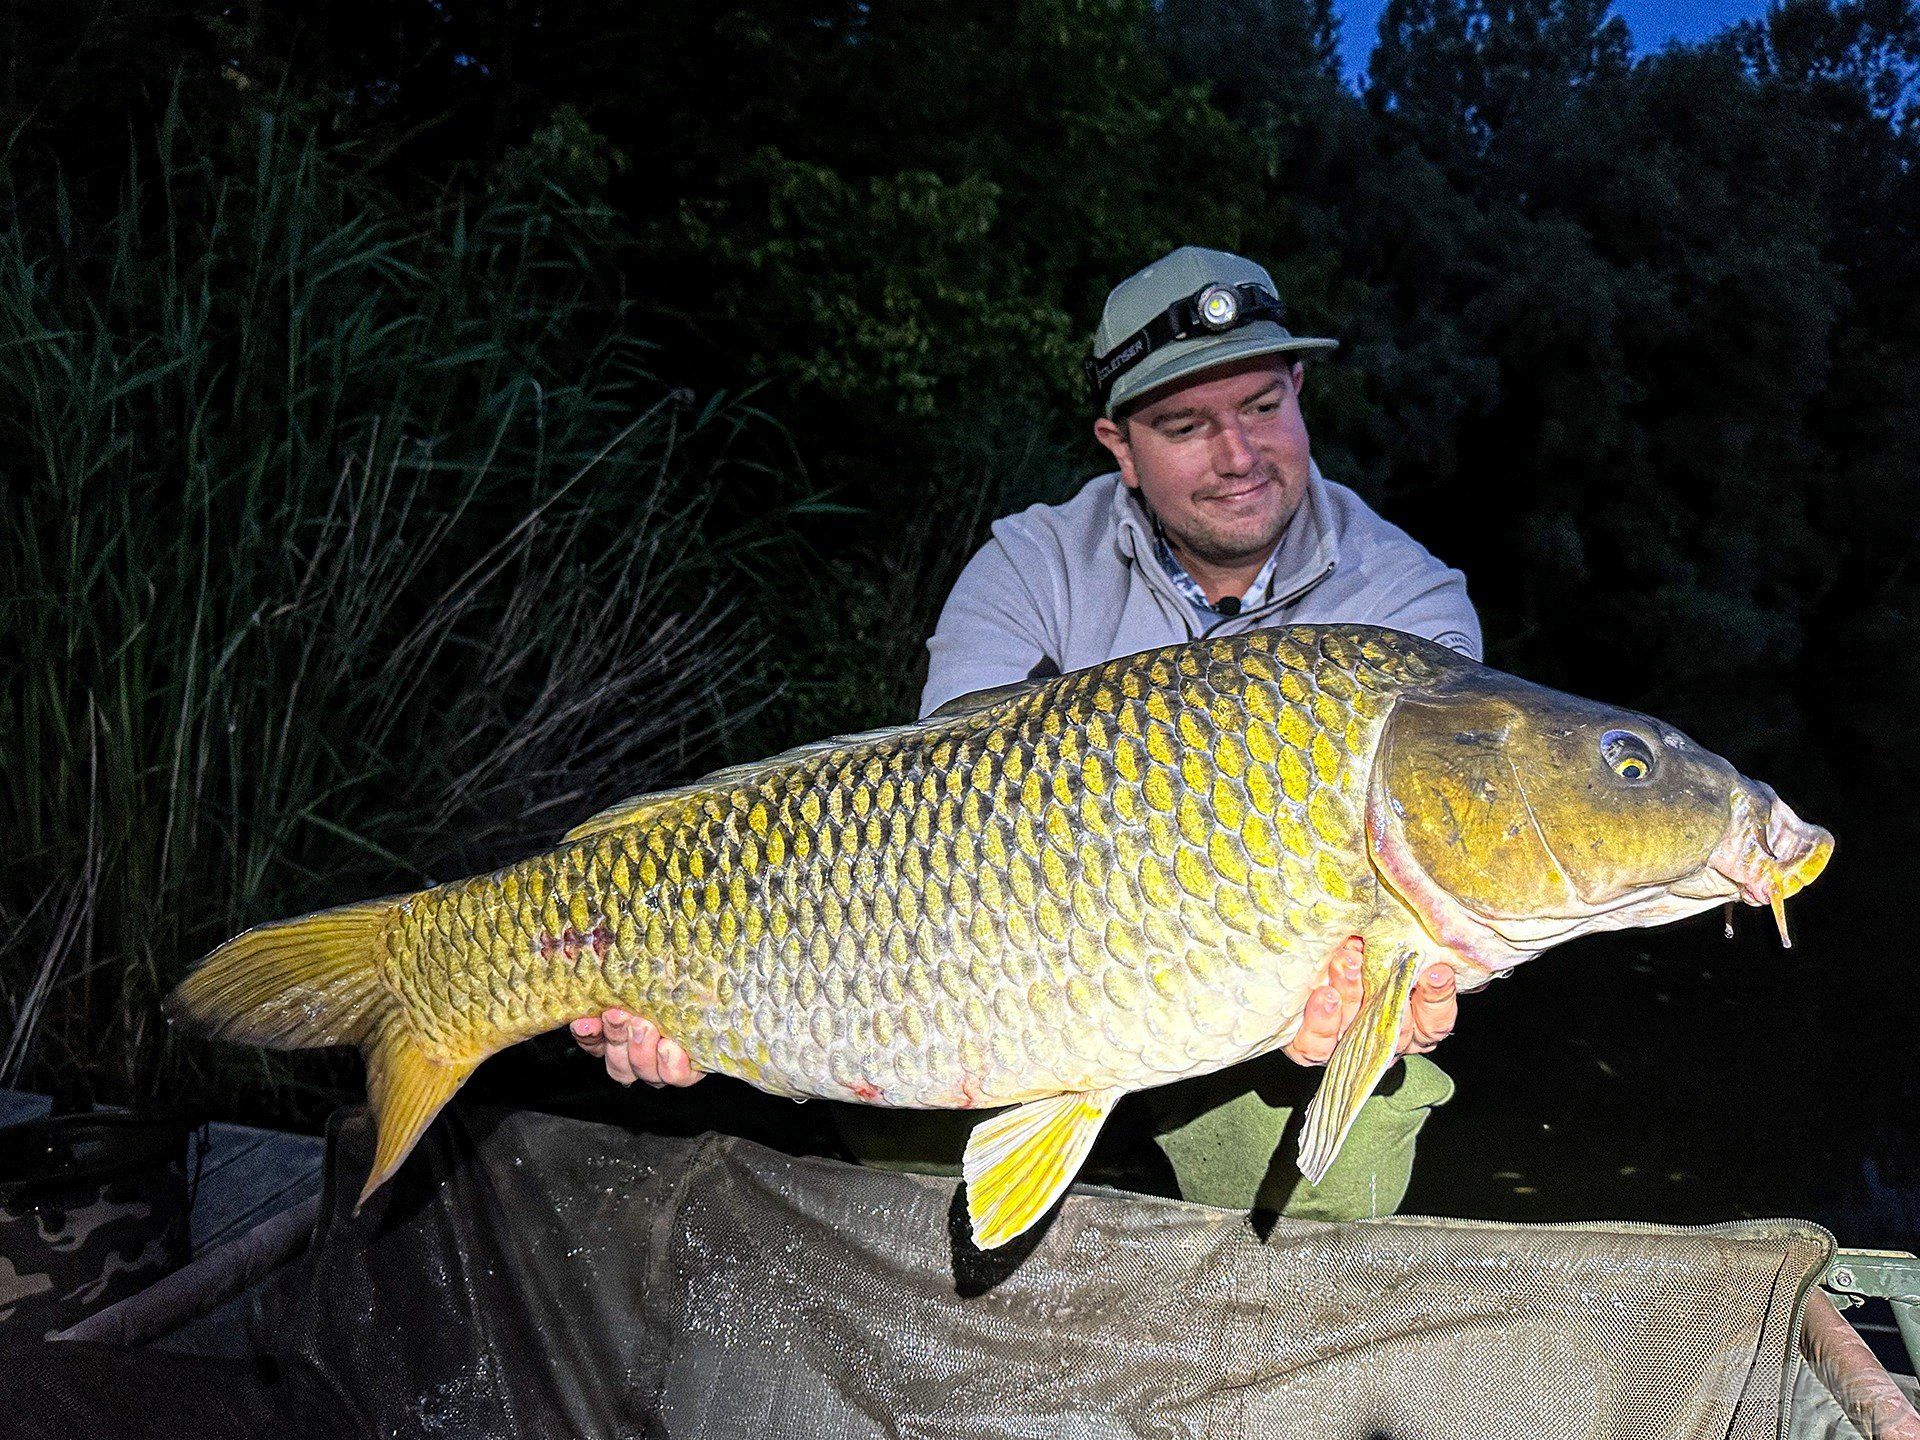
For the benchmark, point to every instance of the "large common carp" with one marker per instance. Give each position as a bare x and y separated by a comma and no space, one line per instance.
1049,895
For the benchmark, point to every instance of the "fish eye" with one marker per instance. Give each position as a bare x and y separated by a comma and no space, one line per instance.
1626,754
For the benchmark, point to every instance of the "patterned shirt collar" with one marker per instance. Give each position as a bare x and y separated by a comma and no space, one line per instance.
1189,587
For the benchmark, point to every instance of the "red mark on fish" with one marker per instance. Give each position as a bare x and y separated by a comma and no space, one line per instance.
570,942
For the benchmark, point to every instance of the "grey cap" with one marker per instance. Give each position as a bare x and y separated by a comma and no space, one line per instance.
1140,297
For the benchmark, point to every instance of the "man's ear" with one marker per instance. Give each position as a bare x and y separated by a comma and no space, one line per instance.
1113,435
1298,374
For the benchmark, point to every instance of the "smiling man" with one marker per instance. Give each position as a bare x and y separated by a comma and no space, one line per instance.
1216,521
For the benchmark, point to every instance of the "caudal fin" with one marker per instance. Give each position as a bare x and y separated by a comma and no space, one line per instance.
298,984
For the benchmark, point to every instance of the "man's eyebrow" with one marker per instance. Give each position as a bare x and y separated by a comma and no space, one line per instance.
1186,412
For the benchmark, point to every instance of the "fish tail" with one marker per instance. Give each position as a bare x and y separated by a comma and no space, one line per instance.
315,981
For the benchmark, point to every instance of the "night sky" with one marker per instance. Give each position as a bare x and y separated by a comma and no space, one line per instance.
1653,22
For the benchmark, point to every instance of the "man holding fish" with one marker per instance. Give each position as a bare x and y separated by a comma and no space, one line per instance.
1132,876
1216,522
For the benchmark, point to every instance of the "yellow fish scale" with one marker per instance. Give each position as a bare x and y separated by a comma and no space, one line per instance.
1115,878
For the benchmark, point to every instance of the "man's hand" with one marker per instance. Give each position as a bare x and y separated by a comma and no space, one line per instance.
634,1049
1331,1008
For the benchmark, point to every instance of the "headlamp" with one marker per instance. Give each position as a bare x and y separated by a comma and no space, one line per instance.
1213,310
1217,307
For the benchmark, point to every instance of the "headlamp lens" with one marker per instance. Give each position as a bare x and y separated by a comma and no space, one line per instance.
1219,307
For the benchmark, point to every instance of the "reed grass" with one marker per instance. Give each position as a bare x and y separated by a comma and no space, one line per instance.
345,551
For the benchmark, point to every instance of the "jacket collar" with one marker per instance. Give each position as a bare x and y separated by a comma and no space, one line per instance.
1306,553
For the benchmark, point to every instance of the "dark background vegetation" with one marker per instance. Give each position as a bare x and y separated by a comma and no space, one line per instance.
424,421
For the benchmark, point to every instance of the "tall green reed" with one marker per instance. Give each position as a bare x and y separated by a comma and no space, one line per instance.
346,550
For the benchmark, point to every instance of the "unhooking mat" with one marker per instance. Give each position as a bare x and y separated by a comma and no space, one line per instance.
531,1276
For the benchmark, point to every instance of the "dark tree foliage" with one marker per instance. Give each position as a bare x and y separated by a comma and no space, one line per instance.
1635,342
1470,77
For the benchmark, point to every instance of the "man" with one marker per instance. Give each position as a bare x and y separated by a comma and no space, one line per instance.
1216,521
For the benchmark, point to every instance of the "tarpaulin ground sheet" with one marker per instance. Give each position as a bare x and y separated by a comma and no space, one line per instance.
532,1276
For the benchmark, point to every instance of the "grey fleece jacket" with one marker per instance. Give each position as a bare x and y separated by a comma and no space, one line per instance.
1062,587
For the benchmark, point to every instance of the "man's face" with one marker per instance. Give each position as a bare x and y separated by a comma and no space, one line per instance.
1222,461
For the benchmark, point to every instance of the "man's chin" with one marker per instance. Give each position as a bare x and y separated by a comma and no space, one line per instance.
1229,549
1230,540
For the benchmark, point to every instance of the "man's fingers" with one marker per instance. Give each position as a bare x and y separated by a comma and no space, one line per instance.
615,1030
644,1051
676,1067
634,1049
620,1065
586,1034
1434,1010
1331,1006
1344,970
1319,1028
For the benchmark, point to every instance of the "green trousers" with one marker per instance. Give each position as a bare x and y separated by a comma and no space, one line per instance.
1229,1137
1232,1137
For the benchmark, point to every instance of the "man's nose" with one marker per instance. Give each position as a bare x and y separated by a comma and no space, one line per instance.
1232,455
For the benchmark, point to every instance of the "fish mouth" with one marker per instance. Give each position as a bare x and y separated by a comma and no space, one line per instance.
1767,856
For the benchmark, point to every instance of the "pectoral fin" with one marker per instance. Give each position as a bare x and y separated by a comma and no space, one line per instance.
1357,1063
1018,1162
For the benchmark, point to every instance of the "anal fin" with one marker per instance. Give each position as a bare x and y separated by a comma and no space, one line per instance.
1019,1161
1362,1056
406,1088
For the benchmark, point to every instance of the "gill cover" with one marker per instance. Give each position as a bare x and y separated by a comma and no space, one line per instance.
1523,803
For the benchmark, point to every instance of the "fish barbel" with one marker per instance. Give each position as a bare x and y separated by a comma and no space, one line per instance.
1046,896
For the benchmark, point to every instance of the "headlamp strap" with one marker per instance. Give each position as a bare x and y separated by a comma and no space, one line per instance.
1210,310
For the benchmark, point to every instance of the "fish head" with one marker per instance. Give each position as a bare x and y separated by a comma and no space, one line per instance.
1511,817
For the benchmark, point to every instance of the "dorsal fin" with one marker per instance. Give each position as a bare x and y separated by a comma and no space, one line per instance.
638,807
975,700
